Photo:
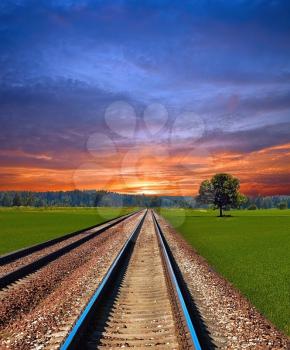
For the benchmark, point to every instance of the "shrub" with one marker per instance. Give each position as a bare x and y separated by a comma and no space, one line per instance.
282,205
252,207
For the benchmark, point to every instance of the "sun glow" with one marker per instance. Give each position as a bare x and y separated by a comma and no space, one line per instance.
260,172
144,187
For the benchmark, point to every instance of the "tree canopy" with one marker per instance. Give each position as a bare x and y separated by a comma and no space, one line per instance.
222,191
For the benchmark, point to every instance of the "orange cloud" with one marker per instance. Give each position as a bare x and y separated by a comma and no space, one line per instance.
152,169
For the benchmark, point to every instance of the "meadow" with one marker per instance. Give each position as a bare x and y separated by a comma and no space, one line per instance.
249,248
22,227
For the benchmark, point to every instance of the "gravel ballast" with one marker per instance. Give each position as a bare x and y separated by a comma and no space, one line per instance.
30,258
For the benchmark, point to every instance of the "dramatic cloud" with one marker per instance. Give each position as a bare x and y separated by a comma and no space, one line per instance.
225,65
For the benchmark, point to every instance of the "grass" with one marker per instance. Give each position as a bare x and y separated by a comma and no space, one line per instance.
23,227
250,248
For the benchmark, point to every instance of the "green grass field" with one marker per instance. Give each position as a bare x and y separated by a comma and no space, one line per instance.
251,249
22,227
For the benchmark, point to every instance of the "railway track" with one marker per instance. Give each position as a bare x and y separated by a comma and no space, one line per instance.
139,302
16,255
20,264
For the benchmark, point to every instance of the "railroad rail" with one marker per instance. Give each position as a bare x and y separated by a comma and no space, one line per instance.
139,302
85,235
9,257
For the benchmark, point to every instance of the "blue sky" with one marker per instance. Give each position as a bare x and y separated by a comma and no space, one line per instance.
62,63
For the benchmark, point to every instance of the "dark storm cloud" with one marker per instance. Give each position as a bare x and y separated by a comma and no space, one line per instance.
51,117
246,141
270,102
219,42
247,105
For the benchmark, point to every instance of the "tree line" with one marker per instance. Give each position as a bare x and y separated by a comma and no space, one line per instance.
92,198
89,198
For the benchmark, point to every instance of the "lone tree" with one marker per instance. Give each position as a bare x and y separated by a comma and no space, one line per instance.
222,191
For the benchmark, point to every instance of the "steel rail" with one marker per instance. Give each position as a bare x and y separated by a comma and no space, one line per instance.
73,339
187,322
25,270
12,256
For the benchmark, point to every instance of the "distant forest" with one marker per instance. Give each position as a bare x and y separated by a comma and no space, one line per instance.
89,198
93,198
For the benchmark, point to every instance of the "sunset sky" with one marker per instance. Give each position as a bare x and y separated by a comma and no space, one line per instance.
144,96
